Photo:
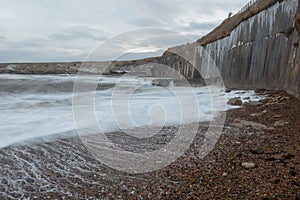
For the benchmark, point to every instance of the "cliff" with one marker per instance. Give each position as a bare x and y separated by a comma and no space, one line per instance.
143,67
71,67
258,48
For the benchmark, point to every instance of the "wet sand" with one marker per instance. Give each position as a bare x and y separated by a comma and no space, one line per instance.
257,157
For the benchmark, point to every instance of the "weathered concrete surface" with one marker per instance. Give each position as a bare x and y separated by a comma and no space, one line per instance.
262,51
231,23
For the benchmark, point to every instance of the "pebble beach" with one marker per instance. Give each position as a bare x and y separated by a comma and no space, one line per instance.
256,157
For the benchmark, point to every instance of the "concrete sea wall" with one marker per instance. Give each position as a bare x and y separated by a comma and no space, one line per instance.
261,52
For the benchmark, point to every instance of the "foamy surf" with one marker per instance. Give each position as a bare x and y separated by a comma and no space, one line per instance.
37,106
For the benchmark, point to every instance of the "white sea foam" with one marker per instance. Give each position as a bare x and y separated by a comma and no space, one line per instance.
32,113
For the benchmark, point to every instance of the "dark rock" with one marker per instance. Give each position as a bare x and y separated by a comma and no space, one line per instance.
235,102
118,72
241,92
227,90
293,173
259,91
161,82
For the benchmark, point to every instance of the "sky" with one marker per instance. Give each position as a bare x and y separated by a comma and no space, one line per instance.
69,30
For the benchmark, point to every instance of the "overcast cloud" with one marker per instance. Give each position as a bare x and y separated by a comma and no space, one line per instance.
56,30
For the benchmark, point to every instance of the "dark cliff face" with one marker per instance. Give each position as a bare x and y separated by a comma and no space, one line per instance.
262,51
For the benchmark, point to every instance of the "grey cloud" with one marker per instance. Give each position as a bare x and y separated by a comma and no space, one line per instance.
194,36
203,25
153,41
66,30
146,22
33,42
80,32
26,55
2,37
41,50
134,56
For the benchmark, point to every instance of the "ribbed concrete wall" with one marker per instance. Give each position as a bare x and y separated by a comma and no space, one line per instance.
261,52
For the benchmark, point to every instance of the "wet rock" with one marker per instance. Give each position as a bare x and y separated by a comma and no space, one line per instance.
235,102
263,92
118,72
280,123
227,90
161,82
248,165
241,92
253,103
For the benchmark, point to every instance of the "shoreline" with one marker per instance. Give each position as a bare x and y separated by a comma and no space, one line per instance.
264,134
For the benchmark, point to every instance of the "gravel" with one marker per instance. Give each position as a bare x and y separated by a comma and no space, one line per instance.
246,163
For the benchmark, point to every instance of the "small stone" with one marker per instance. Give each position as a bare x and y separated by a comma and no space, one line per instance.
224,174
253,103
248,165
161,82
227,90
256,114
293,173
280,123
235,102
241,92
